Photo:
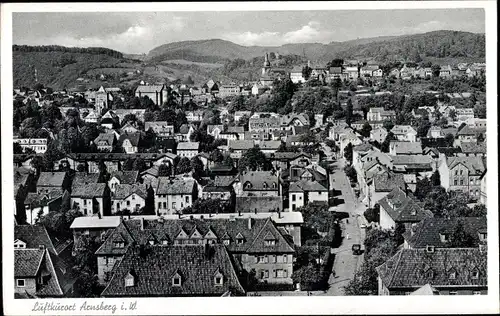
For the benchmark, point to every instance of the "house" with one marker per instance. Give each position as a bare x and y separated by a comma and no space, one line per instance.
92,117
239,114
378,134
346,139
462,174
253,244
90,199
174,271
293,119
228,90
157,93
160,128
232,133
445,72
215,130
296,75
334,73
221,188
303,192
105,141
258,183
23,161
451,271
122,177
283,160
269,146
130,142
265,123
379,114
210,87
42,203
172,195
396,208
404,133
259,204
185,132
38,145
381,184
258,88
352,72
194,116
237,148
129,197
437,232
34,273
467,134
93,226
405,148
188,149
52,181
128,128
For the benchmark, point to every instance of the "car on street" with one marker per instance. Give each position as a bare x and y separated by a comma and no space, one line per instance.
363,226
356,249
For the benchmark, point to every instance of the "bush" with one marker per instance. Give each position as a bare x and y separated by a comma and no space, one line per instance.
373,214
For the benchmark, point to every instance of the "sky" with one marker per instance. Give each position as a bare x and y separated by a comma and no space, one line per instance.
140,32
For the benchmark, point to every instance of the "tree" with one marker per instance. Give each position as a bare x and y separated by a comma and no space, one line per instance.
149,205
196,166
350,172
435,70
18,149
139,165
184,165
460,238
366,129
306,72
254,159
164,170
58,223
478,210
450,139
348,153
349,112
373,214
216,156
128,164
423,128
384,147
422,188
436,179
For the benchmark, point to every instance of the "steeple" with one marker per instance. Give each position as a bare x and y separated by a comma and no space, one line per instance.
266,61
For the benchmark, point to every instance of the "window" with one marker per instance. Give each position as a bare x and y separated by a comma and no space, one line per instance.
452,275
274,259
453,293
119,244
187,199
293,197
164,242
159,205
475,274
285,259
20,282
84,202
173,205
176,281
151,242
455,182
264,274
461,172
218,280
300,197
128,203
270,242
239,241
227,242
164,204
129,280
461,181
456,172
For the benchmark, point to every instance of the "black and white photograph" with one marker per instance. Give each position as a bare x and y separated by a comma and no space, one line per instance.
329,153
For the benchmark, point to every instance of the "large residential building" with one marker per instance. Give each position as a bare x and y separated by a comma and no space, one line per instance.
303,192
173,195
462,174
258,183
404,133
161,128
450,271
156,93
38,145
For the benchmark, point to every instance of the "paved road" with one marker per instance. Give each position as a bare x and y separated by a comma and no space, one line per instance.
345,262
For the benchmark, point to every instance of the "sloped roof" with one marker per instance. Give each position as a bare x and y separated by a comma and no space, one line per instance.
269,144
134,138
470,147
27,262
188,146
474,164
427,232
259,180
306,186
154,267
387,181
263,204
240,144
403,129
174,186
235,129
89,190
81,179
402,208
125,177
34,236
406,147
125,190
425,290
408,268
108,138
149,88
289,118
54,179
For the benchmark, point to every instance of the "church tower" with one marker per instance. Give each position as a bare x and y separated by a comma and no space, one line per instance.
267,65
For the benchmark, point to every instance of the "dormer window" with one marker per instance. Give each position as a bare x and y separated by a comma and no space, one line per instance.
240,239
119,244
176,280
129,280
19,244
475,274
429,248
444,237
274,185
218,278
452,275
429,274
248,185
264,185
270,242
151,241
164,242
227,242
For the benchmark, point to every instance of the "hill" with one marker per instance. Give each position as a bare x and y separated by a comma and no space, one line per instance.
438,44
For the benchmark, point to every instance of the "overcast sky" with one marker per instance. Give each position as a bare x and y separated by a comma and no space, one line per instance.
140,32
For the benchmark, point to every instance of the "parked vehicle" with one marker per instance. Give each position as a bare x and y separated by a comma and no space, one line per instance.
356,249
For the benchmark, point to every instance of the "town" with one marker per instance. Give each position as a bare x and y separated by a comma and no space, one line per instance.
352,177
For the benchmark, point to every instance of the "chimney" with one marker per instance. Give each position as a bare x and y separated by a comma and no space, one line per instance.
255,211
239,212
249,223
41,247
142,223
121,218
129,216
202,217
279,213
191,217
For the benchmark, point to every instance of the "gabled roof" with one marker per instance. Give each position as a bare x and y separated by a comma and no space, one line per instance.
259,180
54,179
90,190
470,147
402,208
107,138
134,138
427,232
188,146
149,88
307,186
240,144
125,190
81,179
125,177
154,268
403,129
409,268
27,262
474,164
174,186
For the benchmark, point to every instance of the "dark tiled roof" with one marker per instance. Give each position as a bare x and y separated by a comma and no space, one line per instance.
117,156
306,186
474,164
413,267
134,138
27,262
125,190
387,181
248,204
174,186
34,236
259,180
54,179
402,208
406,147
130,232
108,138
470,147
34,199
125,177
81,179
90,190
427,232
224,181
153,269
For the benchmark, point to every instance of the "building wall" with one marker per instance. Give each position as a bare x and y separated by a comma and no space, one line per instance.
86,205
132,203
104,265
169,204
386,222
187,153
249,262
317,196
29,286
299,200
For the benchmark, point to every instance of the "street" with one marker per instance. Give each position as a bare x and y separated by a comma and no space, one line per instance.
346,263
